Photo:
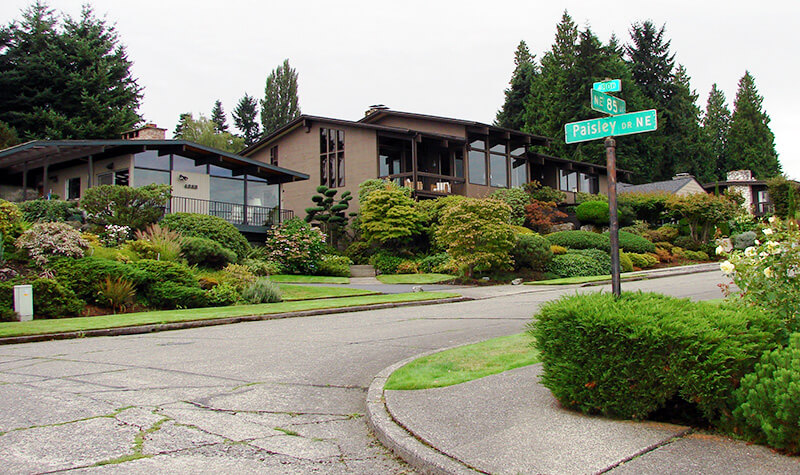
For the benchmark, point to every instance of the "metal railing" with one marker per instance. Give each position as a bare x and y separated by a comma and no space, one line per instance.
234,213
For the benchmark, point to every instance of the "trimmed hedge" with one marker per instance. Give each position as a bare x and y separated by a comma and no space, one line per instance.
206,252
531,251
627,357
630,242
51,299
579,240
210,227
576,265
83,275
595,212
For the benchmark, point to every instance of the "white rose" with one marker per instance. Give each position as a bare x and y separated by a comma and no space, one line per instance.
773,219
767,231
720,250
768,272
750,252
727,268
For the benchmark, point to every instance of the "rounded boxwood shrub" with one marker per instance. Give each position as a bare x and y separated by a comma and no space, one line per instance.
769,399
625,263
642,261
209,227
205,252
83,275
603,258
579,240
744,240
595,212
627,357
630,242
575,265
531,251
338,266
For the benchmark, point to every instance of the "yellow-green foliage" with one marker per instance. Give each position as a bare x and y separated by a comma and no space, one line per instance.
10,216
521,230
390,215
557,250
237,275
476,235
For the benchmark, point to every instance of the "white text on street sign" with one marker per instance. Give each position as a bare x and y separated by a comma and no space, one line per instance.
614,126
608,104
614,85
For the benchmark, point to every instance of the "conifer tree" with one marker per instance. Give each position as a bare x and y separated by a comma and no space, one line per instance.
280,104
245,117
512,114
218,117
751,144
716,124
651,62
686,150
179,128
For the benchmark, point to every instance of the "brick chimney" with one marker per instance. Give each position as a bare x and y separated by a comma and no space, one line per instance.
740,175
147,132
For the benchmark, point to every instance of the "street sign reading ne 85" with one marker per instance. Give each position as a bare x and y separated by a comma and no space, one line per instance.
608,104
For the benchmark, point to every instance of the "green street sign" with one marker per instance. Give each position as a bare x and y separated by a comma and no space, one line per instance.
616,125
614,85
608,104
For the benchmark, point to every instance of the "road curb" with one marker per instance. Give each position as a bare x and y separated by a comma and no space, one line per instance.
160,327
400,441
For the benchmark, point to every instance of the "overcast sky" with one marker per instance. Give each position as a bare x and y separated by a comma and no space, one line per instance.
448,58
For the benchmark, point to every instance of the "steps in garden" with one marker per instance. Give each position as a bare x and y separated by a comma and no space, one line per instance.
362,271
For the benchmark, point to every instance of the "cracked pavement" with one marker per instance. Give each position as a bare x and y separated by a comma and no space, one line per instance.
277,396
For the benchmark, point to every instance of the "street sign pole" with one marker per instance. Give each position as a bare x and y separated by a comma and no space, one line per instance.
613,228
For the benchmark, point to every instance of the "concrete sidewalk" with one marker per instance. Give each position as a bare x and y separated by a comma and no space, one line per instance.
509,423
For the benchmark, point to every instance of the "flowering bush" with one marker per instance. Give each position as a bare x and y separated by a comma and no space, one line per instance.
43,240
114,234
768,273
295,245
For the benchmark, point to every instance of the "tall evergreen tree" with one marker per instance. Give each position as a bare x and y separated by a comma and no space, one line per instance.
218,117
651,63
716,124
751,144
686,150
280,104
179,128
512,114
68,79
245,117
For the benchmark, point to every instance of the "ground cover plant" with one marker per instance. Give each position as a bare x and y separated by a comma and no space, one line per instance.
465,363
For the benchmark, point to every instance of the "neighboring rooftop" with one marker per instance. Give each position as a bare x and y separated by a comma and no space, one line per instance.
677,183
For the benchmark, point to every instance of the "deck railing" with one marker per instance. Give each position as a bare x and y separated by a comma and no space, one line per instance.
234,213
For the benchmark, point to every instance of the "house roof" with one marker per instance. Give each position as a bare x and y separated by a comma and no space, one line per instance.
712,185
368,123
667,186
36,154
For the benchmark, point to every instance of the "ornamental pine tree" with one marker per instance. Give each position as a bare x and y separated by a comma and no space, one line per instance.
716,124
751,144
218,117
328,212
245,118
512,114
280,104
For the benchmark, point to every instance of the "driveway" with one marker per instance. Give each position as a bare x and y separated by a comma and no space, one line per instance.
278,396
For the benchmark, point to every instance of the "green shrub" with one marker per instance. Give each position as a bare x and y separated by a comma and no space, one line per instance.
222,295
578,240
10,219
165,271
531,251
649,207
209,227
140,249
575,265
83,276
595,212
642,261
633,243
238,276
116,293
662,234
429,263
408,267
583,197
124,205
627,357
625,263
262,290
603,258
169,295
517,199
769,399
7,313
688,243
338,266
557,250
45,240
385,263
206,252
696,255
781,193
263,268
390,217
51,299
744,240
544,193
43,210
295,245
359,252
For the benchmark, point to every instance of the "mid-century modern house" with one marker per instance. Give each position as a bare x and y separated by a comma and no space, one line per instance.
681,184
204,180
756,198
434,156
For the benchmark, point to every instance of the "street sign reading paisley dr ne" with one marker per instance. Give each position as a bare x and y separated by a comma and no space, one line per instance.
616,125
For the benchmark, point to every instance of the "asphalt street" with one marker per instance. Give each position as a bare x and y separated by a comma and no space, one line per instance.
277,396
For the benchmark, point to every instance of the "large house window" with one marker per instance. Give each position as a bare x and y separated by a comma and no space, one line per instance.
578,182
331,157
568,181
476,159
589,183
119,177
498,165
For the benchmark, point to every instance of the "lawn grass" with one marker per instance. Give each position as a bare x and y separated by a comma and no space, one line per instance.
465,363
581,280
414,278
292,292
309,279
37,327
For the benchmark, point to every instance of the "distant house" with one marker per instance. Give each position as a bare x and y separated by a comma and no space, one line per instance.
756,198
681,184
433,156
204,180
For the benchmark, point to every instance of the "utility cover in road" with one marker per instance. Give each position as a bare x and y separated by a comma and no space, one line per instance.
607,104
614,85
625,124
